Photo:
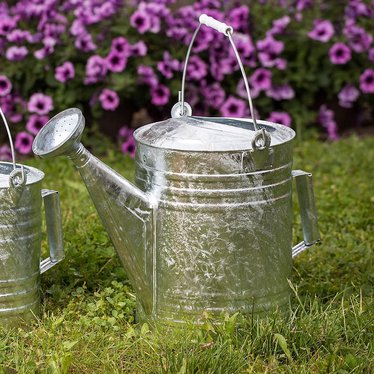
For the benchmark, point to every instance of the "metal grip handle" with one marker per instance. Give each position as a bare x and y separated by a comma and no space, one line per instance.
181,108
308,211
221,27
54,230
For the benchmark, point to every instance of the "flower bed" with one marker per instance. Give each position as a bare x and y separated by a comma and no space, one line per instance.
306,60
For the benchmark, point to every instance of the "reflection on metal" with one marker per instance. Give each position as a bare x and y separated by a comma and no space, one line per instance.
20,239
208,223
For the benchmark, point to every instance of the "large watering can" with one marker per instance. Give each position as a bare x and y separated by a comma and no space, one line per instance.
20,238
208,224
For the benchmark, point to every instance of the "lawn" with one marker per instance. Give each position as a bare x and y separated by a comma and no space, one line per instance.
88,318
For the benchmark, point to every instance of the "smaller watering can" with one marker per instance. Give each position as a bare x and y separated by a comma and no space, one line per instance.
207,226
20,239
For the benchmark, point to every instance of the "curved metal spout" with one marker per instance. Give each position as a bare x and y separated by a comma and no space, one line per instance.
126,211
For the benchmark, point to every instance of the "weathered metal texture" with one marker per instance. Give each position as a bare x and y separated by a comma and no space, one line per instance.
20,246
208,224
222,229
20,239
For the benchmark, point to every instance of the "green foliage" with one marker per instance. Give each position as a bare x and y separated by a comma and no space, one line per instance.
88,319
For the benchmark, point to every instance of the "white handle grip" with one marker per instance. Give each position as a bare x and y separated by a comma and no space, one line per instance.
214,24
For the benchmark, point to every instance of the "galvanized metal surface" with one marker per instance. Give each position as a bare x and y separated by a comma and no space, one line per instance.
20,246
202,229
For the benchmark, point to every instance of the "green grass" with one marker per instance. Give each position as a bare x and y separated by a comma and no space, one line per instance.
87,324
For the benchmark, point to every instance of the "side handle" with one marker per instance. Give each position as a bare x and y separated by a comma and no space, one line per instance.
54,230
308,211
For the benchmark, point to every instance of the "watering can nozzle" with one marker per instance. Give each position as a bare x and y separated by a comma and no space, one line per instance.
61,135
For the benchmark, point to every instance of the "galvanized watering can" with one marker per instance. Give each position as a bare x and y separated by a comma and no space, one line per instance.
207,225
20,239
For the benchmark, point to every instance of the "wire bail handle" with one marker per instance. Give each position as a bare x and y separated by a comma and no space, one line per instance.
182,108
17,177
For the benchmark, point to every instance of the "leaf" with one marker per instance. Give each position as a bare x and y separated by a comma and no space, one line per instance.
130,332
69,345
145,329
281,340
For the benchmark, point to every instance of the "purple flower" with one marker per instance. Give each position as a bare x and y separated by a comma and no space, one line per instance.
65,72
109,99
215,69
5,85
35,123
339,54
197,68
233,107
141,21
121,46
13,106
326,118
239,18
155,11
6,25
246,50
279,25
128,147
160,95
261,79
116,61
280,117
147,76
77,28
48,48
269,49
356,8
16,53
203,40
270,45
18,36
323,30
358,39
228,65
96,69
84,42
367,81
282,92
23,143
303,4
348,95
168,65
5,153
139,49
125,133
242,92
40,104
214,95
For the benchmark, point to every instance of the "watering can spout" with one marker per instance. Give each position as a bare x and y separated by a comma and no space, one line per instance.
125,210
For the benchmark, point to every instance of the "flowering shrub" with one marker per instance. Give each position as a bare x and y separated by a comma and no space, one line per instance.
307,60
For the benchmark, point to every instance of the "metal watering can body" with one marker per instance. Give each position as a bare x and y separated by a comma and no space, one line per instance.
21,198
200,230
208,224
222,225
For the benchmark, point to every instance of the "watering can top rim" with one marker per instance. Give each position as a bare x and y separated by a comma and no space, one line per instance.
34,175
209,134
